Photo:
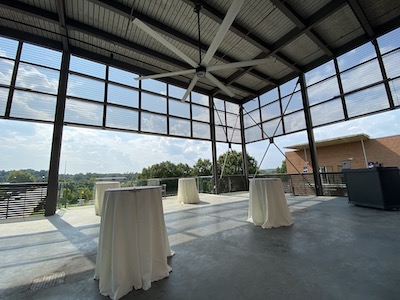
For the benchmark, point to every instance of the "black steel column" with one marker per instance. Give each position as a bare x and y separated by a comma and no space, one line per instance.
213,146
244,152
52,189
310,134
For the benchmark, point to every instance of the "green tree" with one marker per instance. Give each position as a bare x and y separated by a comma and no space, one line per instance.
203,167
20,176
281,169
85,193
234,163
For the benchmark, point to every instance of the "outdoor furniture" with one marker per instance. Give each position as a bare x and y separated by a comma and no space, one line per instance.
100,188
377,187
187,191
133,242
267,204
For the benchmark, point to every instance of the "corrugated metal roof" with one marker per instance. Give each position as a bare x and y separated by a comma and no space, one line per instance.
295,35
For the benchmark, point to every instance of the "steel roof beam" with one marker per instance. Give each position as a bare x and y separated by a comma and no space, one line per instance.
63,26
361,17
287,10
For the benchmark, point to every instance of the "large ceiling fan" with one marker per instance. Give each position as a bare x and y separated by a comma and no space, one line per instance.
202,68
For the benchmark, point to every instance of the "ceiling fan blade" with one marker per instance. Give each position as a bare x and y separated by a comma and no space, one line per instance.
163,41
219,84
239,64
190,88
223,29
169,74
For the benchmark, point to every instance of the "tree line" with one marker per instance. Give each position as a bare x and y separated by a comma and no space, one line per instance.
80,186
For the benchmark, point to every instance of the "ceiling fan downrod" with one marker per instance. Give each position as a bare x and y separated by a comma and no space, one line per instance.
197,8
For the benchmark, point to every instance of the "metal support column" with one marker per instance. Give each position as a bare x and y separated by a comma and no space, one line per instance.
310,134
213,146
244,152
52,189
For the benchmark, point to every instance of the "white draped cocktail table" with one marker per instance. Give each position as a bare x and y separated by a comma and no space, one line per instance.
133,242
267,205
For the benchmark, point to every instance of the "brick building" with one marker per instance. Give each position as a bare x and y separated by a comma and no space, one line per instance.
354,151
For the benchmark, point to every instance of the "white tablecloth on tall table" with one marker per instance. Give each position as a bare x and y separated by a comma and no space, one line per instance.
100,187
187,191
267,206
133,242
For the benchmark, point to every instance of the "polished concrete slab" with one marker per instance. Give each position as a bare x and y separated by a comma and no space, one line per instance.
334,250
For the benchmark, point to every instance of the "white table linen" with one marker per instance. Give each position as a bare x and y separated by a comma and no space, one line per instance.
99,188
187,191
267,206
133,242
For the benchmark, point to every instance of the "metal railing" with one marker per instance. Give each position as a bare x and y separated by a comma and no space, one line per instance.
22,199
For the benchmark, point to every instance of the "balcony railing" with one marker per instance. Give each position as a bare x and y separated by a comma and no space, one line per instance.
22,199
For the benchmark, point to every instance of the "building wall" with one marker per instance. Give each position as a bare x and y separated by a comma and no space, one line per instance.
383,150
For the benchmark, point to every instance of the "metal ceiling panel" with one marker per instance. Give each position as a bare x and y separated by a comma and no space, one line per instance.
294,34
378,14
301,49
339,28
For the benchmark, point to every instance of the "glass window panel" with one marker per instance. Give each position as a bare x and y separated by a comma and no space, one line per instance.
389,41
289,87
252,134
395,88
82,87
123,77
154,103
234,135
6,70
176,92
200,113
219,117
199,98
367,101
8,48
33,106
272,128
179,127
87,67
219,104
232,107
154,86
251,105
322,91
41,56
179,108
123,118
356,56
270,111
220,134
327,112
294,122
292,103
232,120
392,64
320,73
201,130
361,76
269,96
37,78
83,112
122,95
3,100
251,118
153,123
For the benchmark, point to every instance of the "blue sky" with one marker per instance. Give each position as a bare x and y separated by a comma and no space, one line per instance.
26,145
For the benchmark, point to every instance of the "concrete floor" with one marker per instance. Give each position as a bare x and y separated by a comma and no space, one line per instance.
334,250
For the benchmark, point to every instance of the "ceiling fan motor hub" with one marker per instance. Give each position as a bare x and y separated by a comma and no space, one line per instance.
201,71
